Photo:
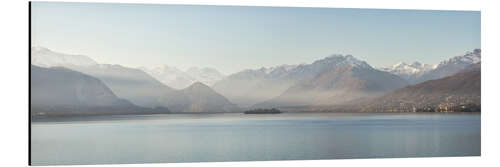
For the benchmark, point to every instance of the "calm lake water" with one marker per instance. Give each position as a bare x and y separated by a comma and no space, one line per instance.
240,137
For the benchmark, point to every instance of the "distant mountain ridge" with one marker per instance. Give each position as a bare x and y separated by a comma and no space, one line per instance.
260,87
44,57
418,72
205,75
145,91
128,83
178,79
346,79
452,65
410,72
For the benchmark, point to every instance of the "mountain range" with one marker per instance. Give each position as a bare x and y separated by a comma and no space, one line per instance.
327,81
130,83
342,79
418,72
332,82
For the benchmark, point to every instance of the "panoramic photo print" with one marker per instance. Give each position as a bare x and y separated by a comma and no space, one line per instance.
118,83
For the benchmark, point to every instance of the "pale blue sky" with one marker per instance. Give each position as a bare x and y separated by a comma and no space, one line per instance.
231,38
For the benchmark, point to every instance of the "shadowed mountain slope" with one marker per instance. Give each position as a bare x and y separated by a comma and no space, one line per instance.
61,91
459,92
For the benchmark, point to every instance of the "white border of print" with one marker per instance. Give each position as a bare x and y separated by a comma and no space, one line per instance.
14,83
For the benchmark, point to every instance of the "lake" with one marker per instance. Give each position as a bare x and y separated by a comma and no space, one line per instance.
240,137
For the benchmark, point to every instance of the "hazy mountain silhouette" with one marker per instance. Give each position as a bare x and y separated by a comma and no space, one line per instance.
197,98
59,86
61,91
129,83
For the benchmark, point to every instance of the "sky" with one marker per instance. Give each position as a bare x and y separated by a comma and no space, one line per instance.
234,38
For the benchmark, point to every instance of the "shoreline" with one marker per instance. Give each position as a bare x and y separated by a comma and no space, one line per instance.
79,118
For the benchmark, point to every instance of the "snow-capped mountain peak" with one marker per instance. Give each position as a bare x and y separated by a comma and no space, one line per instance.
205,75
170,76
418,64
281,68
419,72
468,58
44,57
180,79
400,64
408,71
165,69
340,60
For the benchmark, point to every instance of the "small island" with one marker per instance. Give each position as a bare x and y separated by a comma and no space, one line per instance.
263,111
